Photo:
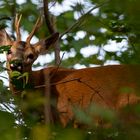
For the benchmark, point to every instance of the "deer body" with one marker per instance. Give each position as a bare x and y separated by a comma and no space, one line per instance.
103,86
112,87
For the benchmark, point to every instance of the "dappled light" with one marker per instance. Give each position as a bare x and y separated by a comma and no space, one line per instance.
69,70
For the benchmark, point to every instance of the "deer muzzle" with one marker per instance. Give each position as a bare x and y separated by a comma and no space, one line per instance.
16,65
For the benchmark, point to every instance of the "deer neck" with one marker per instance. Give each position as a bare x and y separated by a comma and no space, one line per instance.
36,78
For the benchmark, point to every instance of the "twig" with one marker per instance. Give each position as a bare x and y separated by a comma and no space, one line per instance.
62,82
4,77
53,4
58,83
82,18
7,108
78,80
5,18
96,91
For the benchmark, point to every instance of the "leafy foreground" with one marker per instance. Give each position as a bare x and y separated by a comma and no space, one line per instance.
9,130
14,127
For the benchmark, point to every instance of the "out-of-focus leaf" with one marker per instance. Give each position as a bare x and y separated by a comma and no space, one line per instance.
68,134
41,132
4,48
6,120
2,26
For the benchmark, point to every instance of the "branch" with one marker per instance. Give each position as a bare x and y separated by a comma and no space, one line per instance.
4,77
96,91
52,30
80,81
5,18
82,18
47,17
7,107
47,104
58,83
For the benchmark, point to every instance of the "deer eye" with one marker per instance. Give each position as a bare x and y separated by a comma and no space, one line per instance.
30,56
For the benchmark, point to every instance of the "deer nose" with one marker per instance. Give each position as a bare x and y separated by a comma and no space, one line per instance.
16,65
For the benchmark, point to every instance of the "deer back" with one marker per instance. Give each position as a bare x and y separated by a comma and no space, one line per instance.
113,87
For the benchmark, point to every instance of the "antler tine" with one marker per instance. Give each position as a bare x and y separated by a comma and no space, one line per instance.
35,28
17,26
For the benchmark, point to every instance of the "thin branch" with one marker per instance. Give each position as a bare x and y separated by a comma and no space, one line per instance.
7,107
80,20
96,91
58,83
4,77
80,81
53,4
5,18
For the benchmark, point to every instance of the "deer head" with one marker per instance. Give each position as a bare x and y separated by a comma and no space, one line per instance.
21,55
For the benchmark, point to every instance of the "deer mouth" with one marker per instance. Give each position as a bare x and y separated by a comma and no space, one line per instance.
16,65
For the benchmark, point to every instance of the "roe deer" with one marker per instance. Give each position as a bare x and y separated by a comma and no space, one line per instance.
112,87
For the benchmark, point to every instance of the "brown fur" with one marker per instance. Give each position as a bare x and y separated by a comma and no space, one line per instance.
102,86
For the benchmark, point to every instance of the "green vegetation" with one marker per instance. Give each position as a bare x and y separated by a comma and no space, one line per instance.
113,20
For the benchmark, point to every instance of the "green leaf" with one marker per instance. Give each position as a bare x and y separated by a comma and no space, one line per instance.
15,74
4,48
19,79
24,76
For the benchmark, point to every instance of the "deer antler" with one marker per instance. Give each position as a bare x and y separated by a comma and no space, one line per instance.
17,26
35,28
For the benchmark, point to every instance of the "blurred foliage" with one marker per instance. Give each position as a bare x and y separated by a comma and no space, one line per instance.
116,20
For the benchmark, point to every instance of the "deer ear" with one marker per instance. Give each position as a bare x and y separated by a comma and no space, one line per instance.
43,45
4,38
